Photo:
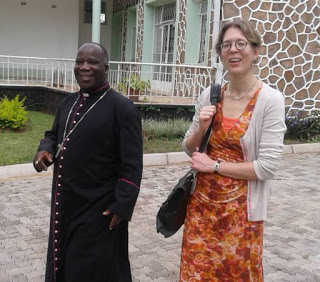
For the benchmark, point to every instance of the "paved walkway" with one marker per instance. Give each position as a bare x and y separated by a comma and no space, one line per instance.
292,232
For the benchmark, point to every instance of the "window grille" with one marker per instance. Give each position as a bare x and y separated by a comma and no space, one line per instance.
203,30
169,12
158,13
204,7
164,32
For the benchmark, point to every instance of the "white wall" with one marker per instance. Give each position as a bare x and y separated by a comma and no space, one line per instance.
37,30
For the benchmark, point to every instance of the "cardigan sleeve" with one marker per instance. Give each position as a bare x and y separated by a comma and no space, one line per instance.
272,133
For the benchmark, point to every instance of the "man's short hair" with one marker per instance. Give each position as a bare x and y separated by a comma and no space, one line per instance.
105,53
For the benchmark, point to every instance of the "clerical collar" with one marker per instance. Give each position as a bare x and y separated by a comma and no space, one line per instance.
97,92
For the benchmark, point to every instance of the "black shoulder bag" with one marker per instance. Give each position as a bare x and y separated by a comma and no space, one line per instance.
172,212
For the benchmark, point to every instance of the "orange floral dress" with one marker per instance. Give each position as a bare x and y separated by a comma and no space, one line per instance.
219,243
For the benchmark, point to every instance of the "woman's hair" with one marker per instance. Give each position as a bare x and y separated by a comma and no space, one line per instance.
245,27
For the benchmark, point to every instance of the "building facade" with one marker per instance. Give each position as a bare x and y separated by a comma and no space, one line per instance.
184,32
177,37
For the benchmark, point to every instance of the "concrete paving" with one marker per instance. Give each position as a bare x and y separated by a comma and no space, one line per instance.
292,231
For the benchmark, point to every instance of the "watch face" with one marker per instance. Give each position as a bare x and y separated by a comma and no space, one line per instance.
216,166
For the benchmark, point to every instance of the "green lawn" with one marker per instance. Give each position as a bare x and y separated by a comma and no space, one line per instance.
20,146
162,146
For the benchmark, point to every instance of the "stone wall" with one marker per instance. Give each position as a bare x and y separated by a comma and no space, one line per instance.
38,98
120,5
289,58
181,32
46,100
140,27
124,35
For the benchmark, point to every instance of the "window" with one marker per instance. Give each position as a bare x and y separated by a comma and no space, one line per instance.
163,48
203,30
88,12
169,12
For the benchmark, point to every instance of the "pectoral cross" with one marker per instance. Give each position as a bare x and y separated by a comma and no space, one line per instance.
59,150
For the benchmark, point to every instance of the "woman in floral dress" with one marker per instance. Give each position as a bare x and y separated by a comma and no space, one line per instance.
223,232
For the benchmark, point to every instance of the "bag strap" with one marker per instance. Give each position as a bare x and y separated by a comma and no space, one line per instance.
215,97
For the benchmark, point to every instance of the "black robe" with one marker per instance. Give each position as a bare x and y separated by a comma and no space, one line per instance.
99,168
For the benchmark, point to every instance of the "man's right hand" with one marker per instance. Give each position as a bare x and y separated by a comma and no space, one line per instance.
42,160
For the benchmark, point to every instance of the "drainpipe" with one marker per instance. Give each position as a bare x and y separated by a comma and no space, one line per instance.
216,28
96,11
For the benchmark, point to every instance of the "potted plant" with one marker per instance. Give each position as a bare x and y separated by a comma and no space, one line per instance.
135,86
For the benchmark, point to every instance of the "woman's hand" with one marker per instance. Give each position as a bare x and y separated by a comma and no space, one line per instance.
202,162
204,120
205,117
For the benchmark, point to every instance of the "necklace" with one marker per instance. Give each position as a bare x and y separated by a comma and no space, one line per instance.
245,94
65,136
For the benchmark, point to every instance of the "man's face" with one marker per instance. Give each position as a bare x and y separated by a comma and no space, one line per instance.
90,68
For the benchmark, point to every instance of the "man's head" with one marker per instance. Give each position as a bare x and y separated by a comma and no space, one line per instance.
91,66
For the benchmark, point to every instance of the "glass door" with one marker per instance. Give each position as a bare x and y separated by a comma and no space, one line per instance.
163,49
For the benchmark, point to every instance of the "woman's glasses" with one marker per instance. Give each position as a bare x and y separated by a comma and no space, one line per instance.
240,45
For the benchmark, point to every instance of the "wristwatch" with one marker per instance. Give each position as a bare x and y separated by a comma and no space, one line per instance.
216,166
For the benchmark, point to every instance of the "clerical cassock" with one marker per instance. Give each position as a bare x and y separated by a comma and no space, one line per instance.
97,144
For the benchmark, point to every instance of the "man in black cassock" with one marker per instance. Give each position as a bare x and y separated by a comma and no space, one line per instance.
96,146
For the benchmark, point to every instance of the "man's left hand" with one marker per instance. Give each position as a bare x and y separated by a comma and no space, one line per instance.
114,221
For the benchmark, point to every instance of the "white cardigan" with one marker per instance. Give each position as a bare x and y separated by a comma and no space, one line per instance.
261,144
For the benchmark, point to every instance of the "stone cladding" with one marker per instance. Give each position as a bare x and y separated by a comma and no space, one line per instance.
124,35
289,59
181,32
140,28
119,5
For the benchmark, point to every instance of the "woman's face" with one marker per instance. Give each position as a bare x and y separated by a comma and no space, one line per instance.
238,62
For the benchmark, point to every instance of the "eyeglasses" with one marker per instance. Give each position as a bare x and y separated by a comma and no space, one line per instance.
240,45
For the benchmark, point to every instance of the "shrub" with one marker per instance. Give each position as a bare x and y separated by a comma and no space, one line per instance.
166,129
134,82
13,114
303,128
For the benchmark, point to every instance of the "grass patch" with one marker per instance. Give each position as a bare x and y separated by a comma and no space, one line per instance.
162,146
19,146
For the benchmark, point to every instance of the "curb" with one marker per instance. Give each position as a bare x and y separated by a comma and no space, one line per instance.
302,148
22,170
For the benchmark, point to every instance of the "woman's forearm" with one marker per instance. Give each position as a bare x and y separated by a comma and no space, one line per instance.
193,142
203,163
238,170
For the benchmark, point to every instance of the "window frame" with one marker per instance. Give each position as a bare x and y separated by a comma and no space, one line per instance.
87,12
203,36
